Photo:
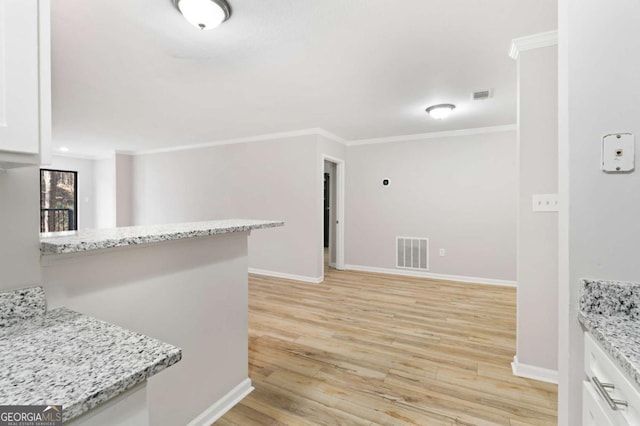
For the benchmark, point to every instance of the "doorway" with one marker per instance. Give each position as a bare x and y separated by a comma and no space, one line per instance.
332,213
327,204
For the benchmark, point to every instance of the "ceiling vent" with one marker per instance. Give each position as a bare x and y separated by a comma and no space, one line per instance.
481,95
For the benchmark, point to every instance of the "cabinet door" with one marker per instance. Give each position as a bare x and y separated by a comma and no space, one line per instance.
593,413
19,86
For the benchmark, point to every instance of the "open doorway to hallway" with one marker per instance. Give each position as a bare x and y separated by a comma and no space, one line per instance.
329,214
332,213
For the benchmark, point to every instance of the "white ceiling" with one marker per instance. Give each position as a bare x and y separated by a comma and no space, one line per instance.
134,75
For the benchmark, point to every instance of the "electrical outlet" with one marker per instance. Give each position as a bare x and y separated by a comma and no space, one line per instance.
441,252
545,203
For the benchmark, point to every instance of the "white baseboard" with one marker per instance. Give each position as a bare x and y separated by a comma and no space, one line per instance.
421,274
224,404
315,280
533,372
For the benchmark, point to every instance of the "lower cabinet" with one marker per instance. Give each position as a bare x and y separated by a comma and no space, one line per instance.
594,413
609,397
127,409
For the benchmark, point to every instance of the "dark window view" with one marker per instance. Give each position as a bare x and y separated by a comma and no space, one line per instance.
58,200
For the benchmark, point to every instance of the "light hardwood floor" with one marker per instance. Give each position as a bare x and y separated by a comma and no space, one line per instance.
368,349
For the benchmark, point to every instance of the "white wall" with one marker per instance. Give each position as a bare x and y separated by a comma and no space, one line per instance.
599,92
86,199
105,192
20,228
537,232
460,192
277,179
189,293
124,189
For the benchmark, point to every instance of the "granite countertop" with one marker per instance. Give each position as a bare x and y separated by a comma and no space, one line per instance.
61,357
96,239
610,311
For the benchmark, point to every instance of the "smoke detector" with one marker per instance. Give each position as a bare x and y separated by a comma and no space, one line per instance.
481,95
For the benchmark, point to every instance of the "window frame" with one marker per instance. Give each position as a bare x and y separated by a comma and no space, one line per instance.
75,195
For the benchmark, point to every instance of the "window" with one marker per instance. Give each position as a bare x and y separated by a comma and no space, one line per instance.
58,200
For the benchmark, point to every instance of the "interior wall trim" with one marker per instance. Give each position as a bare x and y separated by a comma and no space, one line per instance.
306,132
224,404
534,41
422,274
533,372
314,280
258,138
436,135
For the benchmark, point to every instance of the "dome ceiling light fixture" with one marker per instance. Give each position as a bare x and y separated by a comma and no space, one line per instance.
440,111
204,14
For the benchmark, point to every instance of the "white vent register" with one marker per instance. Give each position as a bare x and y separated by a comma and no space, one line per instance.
412,253
481,95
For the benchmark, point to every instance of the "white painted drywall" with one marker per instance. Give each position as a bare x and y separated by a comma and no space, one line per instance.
124,189
20,227
358,68
105,192
278,179
599,92
537,334
460,192
86,187
189,293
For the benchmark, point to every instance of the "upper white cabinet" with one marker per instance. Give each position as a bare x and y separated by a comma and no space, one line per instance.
25,82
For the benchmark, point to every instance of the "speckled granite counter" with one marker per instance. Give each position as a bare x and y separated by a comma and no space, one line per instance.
65,358
610,311
96,239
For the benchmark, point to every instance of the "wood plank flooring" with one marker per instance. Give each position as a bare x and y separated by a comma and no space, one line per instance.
371,349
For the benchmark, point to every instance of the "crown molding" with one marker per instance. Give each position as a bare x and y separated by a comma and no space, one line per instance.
78,156
258,138
124,152
435,135
304,132
330,136
534,41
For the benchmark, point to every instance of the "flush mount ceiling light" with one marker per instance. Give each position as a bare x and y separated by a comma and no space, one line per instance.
204,14
441,111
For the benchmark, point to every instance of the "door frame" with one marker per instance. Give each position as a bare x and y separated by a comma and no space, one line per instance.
340,196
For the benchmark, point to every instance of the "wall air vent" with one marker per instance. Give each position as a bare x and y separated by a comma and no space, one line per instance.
412,253
481,95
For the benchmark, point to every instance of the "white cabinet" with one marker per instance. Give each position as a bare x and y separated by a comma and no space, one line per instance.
608,397
25,82
594,413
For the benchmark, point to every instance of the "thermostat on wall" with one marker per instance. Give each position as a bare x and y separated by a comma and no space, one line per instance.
618,152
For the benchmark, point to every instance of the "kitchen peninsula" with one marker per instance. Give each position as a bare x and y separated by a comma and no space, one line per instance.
181,283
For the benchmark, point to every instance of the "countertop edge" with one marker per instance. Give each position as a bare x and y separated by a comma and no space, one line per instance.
52,248
83,395
617,354
121,386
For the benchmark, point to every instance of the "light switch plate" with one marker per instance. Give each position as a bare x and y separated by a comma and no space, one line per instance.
618,152
545,202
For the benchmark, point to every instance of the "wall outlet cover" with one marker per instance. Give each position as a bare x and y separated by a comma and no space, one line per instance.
618,153
545,203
